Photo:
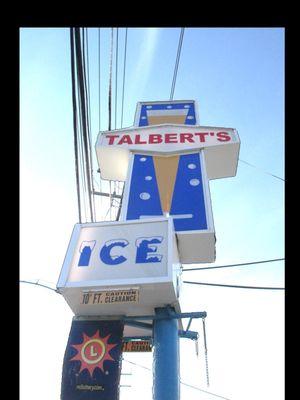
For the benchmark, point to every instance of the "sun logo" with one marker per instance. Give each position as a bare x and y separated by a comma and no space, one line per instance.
92,352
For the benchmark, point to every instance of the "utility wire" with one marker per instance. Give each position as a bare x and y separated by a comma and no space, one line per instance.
89,130
233,265
268,173
183,383
81,82
138,365
39,284
124,67
86,74
99,77
99,96
205,391
81,159
81,154
110,78
75,124
116,87
235,286
177,63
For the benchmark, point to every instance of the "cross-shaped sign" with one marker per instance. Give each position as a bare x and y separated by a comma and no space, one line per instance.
166,160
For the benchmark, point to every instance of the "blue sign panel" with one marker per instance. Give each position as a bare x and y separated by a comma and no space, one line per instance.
167,112
143,193
187,205
188,196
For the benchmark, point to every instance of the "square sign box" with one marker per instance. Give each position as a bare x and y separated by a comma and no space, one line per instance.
121,268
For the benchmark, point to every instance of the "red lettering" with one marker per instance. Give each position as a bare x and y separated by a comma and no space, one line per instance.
112,138
138,140
125,139
155,139
170,138
201,136
223,136
186,137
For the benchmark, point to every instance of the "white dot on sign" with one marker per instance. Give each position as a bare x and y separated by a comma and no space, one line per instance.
144,117
145,196
194,182
149,106
190,117
169,106
192,166
186,106
148,178
143,159
106,373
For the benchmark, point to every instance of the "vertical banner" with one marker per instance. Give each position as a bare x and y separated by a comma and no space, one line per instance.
92,361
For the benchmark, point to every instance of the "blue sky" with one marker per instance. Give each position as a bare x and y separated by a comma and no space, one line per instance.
237,77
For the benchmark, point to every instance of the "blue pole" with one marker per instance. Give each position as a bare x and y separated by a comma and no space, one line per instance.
165,357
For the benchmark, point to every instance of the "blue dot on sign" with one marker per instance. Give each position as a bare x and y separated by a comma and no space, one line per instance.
143,159
145,196
194,182
192,166
148,178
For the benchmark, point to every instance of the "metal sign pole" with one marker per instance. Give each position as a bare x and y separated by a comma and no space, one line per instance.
165,357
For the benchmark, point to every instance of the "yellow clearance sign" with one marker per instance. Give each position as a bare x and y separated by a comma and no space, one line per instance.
110,297
137,346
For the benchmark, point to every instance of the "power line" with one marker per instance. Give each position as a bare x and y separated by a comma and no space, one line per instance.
81,123
116,88
86,74
138,365
235,286
268,173
233,265
39,284
81,158
81,152
99,77
110,78
177,63
75,123
86,66
82,89
183,383
124,67
205,391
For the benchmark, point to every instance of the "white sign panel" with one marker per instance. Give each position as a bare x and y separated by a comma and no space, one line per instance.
123,252
221,147
112,268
